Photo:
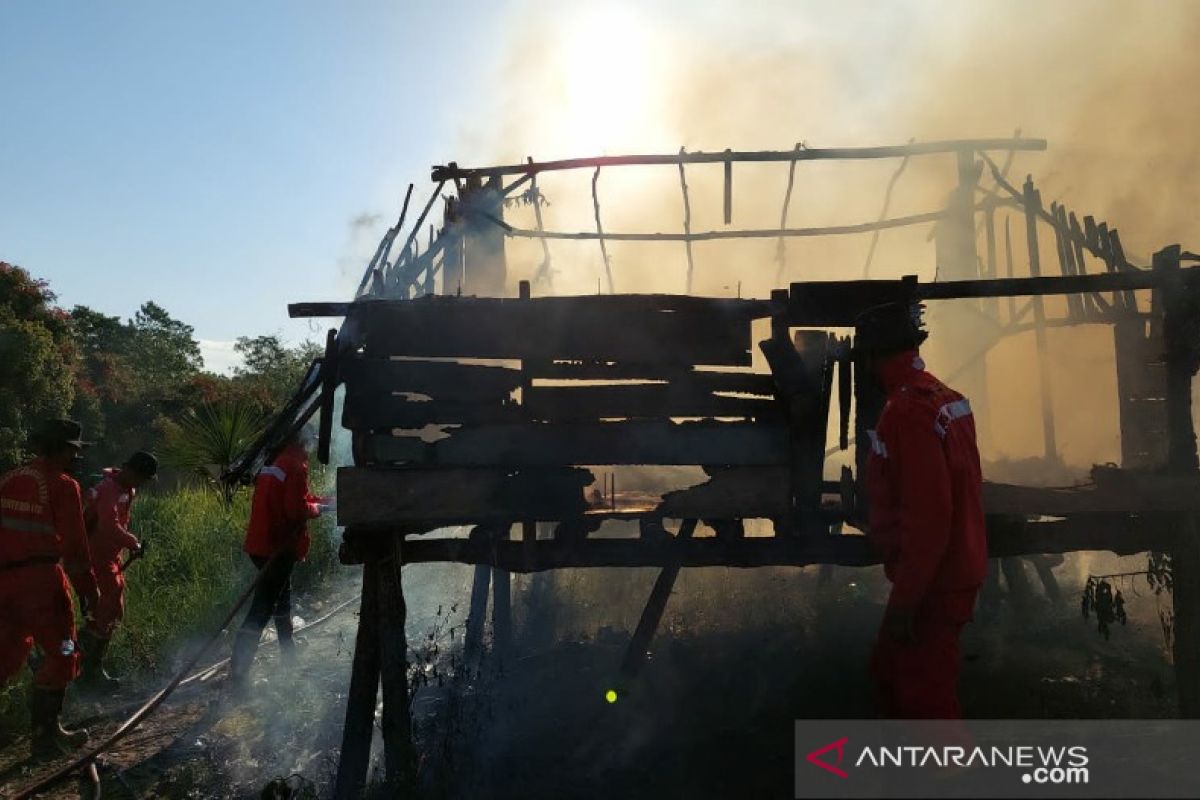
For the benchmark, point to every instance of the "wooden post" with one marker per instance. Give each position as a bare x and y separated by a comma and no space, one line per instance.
1033,206
452,256
399,755
329,382
476,615
1008,267
502,613
484,264
728,191
955,327
635,654
991,306
355,758
1182,363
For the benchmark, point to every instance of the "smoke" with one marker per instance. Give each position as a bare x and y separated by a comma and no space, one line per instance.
1106,86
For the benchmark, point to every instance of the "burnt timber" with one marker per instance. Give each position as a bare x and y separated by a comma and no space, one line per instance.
524,394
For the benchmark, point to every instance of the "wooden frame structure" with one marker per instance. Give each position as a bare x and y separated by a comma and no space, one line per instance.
572,382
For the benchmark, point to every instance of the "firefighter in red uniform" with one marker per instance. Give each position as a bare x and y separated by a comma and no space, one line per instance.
42,541
926,518
277,537
106,514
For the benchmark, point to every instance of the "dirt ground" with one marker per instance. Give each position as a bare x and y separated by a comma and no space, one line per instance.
710,716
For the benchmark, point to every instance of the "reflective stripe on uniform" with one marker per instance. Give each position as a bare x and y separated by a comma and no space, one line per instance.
274,472
25,525
23,506
877,445
950,412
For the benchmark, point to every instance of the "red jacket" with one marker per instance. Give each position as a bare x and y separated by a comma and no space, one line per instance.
107,516
282,506
41,516
925,487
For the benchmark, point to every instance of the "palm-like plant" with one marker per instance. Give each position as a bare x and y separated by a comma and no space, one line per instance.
207,439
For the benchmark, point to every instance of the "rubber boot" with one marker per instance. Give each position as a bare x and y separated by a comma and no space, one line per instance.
47,737
240,660
287,640
93,677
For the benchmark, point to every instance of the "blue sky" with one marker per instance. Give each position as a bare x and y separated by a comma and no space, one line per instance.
212,157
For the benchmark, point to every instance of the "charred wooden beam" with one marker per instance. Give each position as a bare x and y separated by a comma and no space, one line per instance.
646,401
715,235
629,442
742,382
454,172
370,496
430,497
604,328
368,412
635,653
485,383
1121,534
856,294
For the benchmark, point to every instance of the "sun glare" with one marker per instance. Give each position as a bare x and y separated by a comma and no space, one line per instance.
611,77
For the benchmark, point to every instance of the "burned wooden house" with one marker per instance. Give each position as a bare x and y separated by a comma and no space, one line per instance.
531,393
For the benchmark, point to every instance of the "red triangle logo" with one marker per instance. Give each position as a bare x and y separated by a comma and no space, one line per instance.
815,757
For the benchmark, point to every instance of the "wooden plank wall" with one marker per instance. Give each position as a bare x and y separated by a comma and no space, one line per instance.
475,409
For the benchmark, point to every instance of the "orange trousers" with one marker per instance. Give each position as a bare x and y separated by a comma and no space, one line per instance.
111,608
919,679
36,607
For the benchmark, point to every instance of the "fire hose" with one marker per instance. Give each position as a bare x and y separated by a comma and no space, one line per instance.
149,707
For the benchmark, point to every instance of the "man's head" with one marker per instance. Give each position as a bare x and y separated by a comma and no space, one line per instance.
60,442
139,468
888,329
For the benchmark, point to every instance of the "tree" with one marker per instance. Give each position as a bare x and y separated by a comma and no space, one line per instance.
164,349
37,360
271,369
136,376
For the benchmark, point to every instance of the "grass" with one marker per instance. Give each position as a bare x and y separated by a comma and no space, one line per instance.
193,571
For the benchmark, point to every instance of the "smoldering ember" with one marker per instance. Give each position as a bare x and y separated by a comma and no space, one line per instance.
590,475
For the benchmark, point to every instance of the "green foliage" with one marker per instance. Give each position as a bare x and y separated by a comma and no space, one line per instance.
37,358
271,369
206,440
136,376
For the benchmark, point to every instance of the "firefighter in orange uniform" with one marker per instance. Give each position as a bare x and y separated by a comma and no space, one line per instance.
924,485
106,514
42,542
276,538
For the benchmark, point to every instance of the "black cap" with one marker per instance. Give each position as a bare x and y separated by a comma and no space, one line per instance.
143,463
889,328
59,432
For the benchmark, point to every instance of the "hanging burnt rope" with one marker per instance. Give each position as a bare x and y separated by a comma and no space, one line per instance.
781,245
544,273
151,705
600,231
687,223
887,202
